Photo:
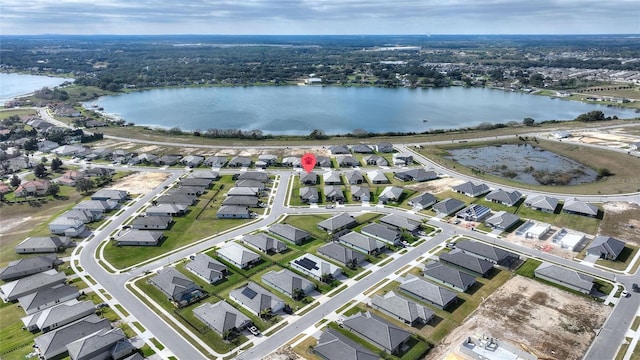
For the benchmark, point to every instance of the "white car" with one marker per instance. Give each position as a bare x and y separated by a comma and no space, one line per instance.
254,330
624,294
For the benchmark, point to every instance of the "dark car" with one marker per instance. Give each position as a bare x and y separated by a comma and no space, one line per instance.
635,287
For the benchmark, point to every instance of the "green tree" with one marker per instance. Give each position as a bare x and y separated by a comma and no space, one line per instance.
528,121
44,160
40,171
84,185
15,181
53,190
56,164
318,134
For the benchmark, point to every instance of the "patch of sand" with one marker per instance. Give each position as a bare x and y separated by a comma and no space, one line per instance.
140,183
149,148
435,186
7,224
621,220
543,320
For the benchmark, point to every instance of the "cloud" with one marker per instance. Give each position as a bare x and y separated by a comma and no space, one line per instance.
319,17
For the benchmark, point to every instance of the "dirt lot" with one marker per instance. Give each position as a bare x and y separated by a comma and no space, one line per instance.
621,220
546,321
435,186
617,138
545,244
140,183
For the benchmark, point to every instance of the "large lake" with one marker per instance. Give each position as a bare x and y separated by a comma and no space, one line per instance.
12,85
337,110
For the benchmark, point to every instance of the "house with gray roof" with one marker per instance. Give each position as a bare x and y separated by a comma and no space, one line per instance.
53,345
207,268
238,255
334,193
256,299
568,278
361,149
178,288
67,227
575,206
222,318
110,194
261,176
332,178
233,212
46,298
323,162
135,237
342,254
43,244
377,331
290,232
339,149
288,282
400,222
360,193
97,206
483,251
419,175
384,147
265,243
426,291
383,233
337,223
28,266
422,201
471,189
16,289
292,161
542,203
464,261
188,190
347,161
390,194
103,344
166,210
152,222
402,159
315,267
448,206
443,274
362,243
474,212
606,247
205,174
502,220
58,316
377,177
216,161
309,195
242,200
196,181
353,177
507,198
402,308
246,191
332,345
178,199
192,160
309,178
83,215
375,160
168,160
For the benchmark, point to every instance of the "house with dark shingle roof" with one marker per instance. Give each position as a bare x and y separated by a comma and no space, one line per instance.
244,191
238,255
251,183
400,159
390,194
362,243
309,195
58,316
360,193
333,193
288,282
422,201
253,175
339,149
67,227
242,200
565,277
168,160
354,177
135,237
265,243
376,160
256,299
222,318
470,263
48,297
292,161
448,206
361,149
178,288
337,223
43,244
575,206
400,222
502,220
152,222
426,291
541,203
342,254
377,331
103,344
28,266
196,181
233,212
290,232
332,178
216,161
207,268
443,274
52,345
16,289
606,247
240,161
384,147
490,253
507,198
204,174
377,177
470,189
178,199
323,161
192,160
83,215
419,174
383,233
332,345
110,194
402,308
166,210
310,178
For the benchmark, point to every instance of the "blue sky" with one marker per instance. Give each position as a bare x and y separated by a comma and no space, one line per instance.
19,17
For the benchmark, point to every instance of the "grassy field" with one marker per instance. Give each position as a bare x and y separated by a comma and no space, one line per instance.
5,113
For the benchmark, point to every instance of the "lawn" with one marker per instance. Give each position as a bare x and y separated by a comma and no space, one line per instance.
623,260
16,342
308,223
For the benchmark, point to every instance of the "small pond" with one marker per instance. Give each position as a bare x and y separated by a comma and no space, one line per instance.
524,163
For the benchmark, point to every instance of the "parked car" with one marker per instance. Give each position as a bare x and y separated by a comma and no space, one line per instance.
624,294
635,287
254,330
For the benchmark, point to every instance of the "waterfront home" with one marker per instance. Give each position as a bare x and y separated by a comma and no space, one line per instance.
471,189
575,206
542,203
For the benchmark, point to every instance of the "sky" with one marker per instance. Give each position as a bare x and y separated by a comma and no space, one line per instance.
309,17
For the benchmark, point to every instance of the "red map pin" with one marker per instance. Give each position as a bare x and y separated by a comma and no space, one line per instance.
308,162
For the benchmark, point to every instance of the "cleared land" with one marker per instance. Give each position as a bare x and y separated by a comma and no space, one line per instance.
140,183
621,220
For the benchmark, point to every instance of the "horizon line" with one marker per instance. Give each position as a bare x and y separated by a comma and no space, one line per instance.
275,34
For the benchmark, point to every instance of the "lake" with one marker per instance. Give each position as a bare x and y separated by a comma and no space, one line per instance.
13,85
337,110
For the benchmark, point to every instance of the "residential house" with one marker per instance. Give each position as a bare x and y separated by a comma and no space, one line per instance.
192,160
401,159
384,148
377,177
71,150
541,203
48,297
58,316
448,206
332,345
332,178
469,263
190,190
290,233
443,274
233,212
222,318
361,149
422,201
32,188
70,177
474,212
43,244
135,237
143,159
288,283
247,191
106,344
166,210
242,200
238,255
256,299
569,240
390,194
52,345
563,276
309,195
334,194
483,251
470,189
97,206
250,183
427,291
216,161
606,247
347,161
196,181
292,161
47,146
323,161
16,289
400,222
67,227
507,198
253,175
575,206
344,255
177,287
375,160
265,243
353,177
402,309
102,153
205,174
267,159
152,222
315,267
207,268
310,178
502,220
362,243
28,266
179,199
360,193
419,175
168,160
386,234
377,331
99,171
240,162
339,149
337,223
110,194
